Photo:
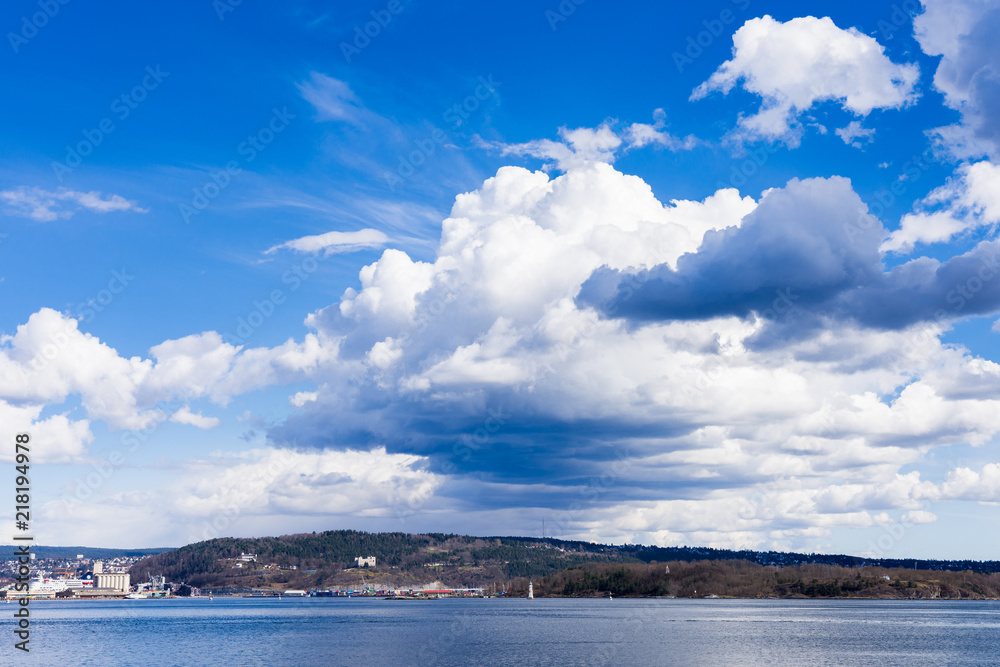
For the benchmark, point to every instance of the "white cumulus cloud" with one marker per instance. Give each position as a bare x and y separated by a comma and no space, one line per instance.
963,33
477,385
583,145
969,201
185,416
804,61
855,135
260,491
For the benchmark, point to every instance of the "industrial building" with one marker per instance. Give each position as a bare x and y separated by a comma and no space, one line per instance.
118,581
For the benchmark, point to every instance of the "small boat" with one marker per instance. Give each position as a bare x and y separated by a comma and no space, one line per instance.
135,596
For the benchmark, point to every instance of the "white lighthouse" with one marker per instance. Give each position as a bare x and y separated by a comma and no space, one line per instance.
531,591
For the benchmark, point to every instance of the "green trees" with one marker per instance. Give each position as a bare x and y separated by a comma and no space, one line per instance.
749,580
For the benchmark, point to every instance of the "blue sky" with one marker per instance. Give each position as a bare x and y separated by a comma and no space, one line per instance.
482,267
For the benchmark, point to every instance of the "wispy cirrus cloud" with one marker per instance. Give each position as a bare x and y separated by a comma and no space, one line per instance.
335,101
334,242
46,205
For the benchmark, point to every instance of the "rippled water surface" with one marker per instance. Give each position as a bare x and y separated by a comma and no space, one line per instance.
332,631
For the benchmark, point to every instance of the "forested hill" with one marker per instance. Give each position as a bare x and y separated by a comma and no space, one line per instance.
69,553
740,579
781,558
320,559
327,559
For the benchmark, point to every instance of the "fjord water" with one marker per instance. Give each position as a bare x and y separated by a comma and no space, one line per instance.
366,631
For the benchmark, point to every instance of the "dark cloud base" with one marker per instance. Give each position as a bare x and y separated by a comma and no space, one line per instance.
807,255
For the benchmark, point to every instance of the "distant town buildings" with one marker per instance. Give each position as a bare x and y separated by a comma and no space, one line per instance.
60,577
364,562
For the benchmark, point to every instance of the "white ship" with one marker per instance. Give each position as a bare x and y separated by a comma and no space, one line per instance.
47,585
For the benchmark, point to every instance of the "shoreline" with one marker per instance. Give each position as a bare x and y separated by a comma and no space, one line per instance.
13,600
